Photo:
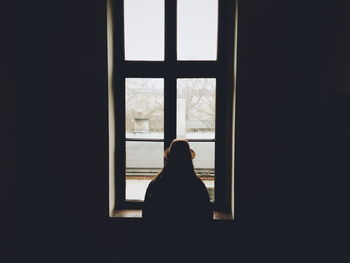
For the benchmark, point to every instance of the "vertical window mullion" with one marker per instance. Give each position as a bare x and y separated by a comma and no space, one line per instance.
119,93
169,110
170,76
219,143
222,86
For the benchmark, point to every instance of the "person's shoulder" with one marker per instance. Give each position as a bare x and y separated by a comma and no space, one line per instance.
156,180
155,183
152,184
199,184
198,181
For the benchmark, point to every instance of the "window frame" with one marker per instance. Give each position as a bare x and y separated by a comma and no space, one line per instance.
170,70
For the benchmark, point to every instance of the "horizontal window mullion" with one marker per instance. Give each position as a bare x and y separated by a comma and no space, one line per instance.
151,74
161,69
179,74
196,74
197,69
143,140
162,140
178,63
201,140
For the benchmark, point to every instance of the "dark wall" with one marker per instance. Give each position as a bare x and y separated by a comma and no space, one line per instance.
337,68
279,126
291,119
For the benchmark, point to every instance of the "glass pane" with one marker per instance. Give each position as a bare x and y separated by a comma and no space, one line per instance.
144,29
196,108
204,164
197,29
144,160
144,102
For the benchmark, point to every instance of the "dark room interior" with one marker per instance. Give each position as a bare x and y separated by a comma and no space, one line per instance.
291,139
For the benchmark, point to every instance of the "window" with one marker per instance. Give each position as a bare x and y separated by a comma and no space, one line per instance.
172,78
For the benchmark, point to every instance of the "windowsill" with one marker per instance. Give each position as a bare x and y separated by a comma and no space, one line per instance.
137,214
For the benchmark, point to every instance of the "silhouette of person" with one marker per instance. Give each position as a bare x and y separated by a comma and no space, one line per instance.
177,208
176,194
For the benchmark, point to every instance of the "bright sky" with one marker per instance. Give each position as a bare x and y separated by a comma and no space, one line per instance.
197,22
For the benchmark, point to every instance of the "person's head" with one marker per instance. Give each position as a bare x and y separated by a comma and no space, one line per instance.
178,159
179,150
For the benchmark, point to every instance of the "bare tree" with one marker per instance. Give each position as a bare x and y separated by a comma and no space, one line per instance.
144,99
199,95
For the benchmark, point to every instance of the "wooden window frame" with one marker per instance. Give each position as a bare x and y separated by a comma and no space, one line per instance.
170,70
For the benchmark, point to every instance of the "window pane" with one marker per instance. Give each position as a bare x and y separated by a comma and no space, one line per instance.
144,29
196,108
143,161
197,29
144,108
204,164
